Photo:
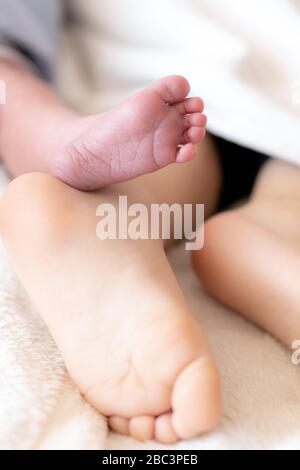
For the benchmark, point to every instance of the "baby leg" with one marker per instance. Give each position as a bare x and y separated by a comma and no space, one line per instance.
114,306
150,130
251,258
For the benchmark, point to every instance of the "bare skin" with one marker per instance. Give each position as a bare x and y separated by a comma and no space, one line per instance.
251,259
155,127
114,307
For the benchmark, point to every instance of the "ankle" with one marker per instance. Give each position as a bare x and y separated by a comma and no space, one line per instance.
34,113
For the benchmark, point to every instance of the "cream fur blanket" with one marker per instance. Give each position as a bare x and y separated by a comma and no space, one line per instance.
40,408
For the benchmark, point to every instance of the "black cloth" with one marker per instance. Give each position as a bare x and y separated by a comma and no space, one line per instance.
240,167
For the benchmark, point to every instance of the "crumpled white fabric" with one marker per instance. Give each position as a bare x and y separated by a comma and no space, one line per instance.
242,57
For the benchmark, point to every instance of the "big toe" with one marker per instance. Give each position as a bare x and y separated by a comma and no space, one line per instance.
196,398
172,89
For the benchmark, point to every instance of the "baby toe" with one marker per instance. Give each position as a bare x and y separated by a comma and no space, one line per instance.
186,153
119,425
190,105
194,135
194,120
164,430
142,427
196,399
172,89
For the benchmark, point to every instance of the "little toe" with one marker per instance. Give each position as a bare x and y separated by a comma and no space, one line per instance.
194,135
142,427
194,120
196,399
190,105
164,430
186,153
119,425
172,89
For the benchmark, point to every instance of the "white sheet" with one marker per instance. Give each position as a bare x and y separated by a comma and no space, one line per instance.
242,57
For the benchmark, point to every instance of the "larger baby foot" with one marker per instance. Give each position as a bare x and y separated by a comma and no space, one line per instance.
151,129
115,310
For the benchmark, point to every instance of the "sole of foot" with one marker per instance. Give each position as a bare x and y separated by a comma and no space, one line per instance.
150,130
115,310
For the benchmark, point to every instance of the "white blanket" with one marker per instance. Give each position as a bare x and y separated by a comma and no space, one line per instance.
117,50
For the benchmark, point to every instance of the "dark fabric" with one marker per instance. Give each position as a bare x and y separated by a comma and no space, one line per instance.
240,167
32,27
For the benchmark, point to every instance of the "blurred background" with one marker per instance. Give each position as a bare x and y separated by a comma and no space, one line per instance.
241,57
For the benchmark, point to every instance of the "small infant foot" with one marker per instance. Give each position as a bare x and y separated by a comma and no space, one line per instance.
153,128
